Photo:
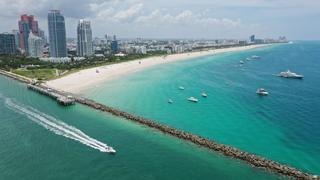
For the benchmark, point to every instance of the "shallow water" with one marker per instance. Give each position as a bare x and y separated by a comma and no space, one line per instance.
283,126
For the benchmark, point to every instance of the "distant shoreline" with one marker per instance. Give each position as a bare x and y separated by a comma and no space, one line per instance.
84,79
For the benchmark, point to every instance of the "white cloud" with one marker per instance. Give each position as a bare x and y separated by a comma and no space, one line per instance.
186,17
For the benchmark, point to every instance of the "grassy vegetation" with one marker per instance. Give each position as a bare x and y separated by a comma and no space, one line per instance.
40,74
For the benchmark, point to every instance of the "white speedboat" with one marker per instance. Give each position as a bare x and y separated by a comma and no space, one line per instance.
262,92
170,101
110,150
290,74
204,94
192,99
181,87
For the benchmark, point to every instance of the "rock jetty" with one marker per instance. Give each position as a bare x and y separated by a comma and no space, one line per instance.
252,159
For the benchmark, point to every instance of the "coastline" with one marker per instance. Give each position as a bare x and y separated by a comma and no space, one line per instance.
84,79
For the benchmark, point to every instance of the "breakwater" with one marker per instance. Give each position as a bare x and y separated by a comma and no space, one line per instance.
229,151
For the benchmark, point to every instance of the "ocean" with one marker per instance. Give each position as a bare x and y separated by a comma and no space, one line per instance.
283,126
43,140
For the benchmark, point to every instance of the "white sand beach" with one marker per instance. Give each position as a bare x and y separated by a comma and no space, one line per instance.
84,79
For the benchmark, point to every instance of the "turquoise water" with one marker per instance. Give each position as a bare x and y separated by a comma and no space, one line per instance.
283,126
32,148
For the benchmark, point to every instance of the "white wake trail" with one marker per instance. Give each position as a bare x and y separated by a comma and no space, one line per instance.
58,127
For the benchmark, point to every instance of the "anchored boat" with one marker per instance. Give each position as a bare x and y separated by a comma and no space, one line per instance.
262,92
290,74
192,99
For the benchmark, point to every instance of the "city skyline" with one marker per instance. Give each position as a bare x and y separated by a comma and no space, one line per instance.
155,19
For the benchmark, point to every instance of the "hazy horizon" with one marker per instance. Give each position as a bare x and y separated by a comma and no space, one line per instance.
206,19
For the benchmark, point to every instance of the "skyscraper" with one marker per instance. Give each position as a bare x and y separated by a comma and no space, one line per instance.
252,38
35,45
114,45
16,34
84,44
57,34
27,24
7,44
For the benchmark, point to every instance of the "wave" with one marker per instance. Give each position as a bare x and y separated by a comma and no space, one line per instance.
57,126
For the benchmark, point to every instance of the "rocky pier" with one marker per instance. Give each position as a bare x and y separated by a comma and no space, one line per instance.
252,159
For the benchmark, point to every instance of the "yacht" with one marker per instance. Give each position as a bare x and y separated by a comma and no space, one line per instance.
181,87
255,57
204,94
170,101
262,92
192,99
290,74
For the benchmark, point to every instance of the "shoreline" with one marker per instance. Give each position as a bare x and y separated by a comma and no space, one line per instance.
79,81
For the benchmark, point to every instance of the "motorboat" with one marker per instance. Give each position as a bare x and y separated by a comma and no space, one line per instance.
181,87
204,94
255,57
110,150
290,74
241,62
170,101
262,92
192,99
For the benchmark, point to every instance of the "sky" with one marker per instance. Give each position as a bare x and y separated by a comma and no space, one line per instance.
188,19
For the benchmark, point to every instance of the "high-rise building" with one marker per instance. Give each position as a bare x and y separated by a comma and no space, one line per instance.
114,45
35,45
27,24
252,38
84,44
57,34
16,34
7,44
42,35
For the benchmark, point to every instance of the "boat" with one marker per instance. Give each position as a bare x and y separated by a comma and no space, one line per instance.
248,59
170,101
241,62
192,99
262,92
204,94
255,57
110,150
290,74
181,87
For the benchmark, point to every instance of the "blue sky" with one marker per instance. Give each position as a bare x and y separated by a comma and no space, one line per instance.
297,19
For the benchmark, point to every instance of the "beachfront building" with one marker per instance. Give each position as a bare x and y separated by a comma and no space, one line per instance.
84,43
35,45
57,34
27,24
252,38
7,44
16,34
114,45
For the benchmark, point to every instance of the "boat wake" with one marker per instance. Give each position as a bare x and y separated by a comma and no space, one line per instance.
57,126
